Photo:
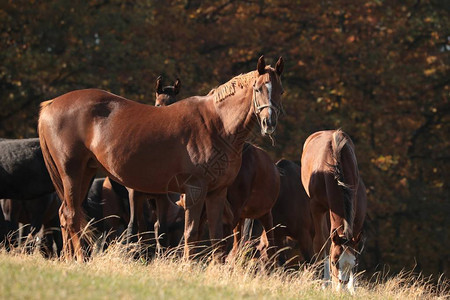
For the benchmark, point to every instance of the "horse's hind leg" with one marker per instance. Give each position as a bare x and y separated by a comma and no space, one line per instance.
76,181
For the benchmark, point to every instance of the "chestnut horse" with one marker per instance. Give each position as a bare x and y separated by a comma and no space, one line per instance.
253,192
293,212
331,178
193,146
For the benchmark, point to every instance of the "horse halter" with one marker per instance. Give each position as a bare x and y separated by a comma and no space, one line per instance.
258,108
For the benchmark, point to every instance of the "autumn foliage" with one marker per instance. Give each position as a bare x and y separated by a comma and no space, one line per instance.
377,69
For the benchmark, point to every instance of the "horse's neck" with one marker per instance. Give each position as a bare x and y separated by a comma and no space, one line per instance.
236,114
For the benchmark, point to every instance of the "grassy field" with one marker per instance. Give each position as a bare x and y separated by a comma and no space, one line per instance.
114,275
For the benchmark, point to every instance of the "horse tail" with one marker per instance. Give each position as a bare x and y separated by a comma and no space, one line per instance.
48,159
338,142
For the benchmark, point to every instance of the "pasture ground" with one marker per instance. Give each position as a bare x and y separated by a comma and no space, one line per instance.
114,275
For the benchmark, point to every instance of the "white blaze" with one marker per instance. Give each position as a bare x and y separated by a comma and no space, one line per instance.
269,92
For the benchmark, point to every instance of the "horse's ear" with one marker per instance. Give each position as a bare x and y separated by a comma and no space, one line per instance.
177,86
159,85
279,66
261,67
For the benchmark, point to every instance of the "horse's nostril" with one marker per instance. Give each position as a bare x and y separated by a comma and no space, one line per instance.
158,104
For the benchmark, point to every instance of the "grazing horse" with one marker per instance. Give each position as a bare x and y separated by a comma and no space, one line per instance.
331,178
192,147
292,211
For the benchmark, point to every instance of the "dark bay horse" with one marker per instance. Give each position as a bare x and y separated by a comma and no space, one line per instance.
293,212
193,146
331,178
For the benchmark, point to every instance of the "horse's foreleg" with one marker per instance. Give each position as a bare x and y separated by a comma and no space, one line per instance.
237,238
319,242
137,224
161,231
192,220
306,244
132,224
318,215
267,245
215,203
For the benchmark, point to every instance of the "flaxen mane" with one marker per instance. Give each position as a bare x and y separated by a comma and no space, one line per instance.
229,88
338,142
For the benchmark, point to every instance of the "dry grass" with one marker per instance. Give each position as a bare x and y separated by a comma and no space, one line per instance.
114,274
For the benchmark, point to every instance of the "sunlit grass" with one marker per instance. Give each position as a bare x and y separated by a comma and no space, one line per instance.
115,274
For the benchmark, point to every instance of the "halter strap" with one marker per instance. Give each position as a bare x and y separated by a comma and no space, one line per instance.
259,108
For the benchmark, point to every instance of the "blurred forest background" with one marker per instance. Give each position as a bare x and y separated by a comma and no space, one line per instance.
377,69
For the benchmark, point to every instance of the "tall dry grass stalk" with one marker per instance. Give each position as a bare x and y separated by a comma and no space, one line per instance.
241,276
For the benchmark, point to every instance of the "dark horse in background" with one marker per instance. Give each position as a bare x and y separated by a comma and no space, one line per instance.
23,174
331,178
198,153
108,206
293,212
26,188
42,216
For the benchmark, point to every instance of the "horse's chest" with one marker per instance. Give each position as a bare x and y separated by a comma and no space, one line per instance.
214,160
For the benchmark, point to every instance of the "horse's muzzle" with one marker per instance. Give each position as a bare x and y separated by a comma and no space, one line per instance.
268,125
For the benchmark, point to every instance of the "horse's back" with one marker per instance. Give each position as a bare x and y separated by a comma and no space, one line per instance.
23,174
319,159
316,160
